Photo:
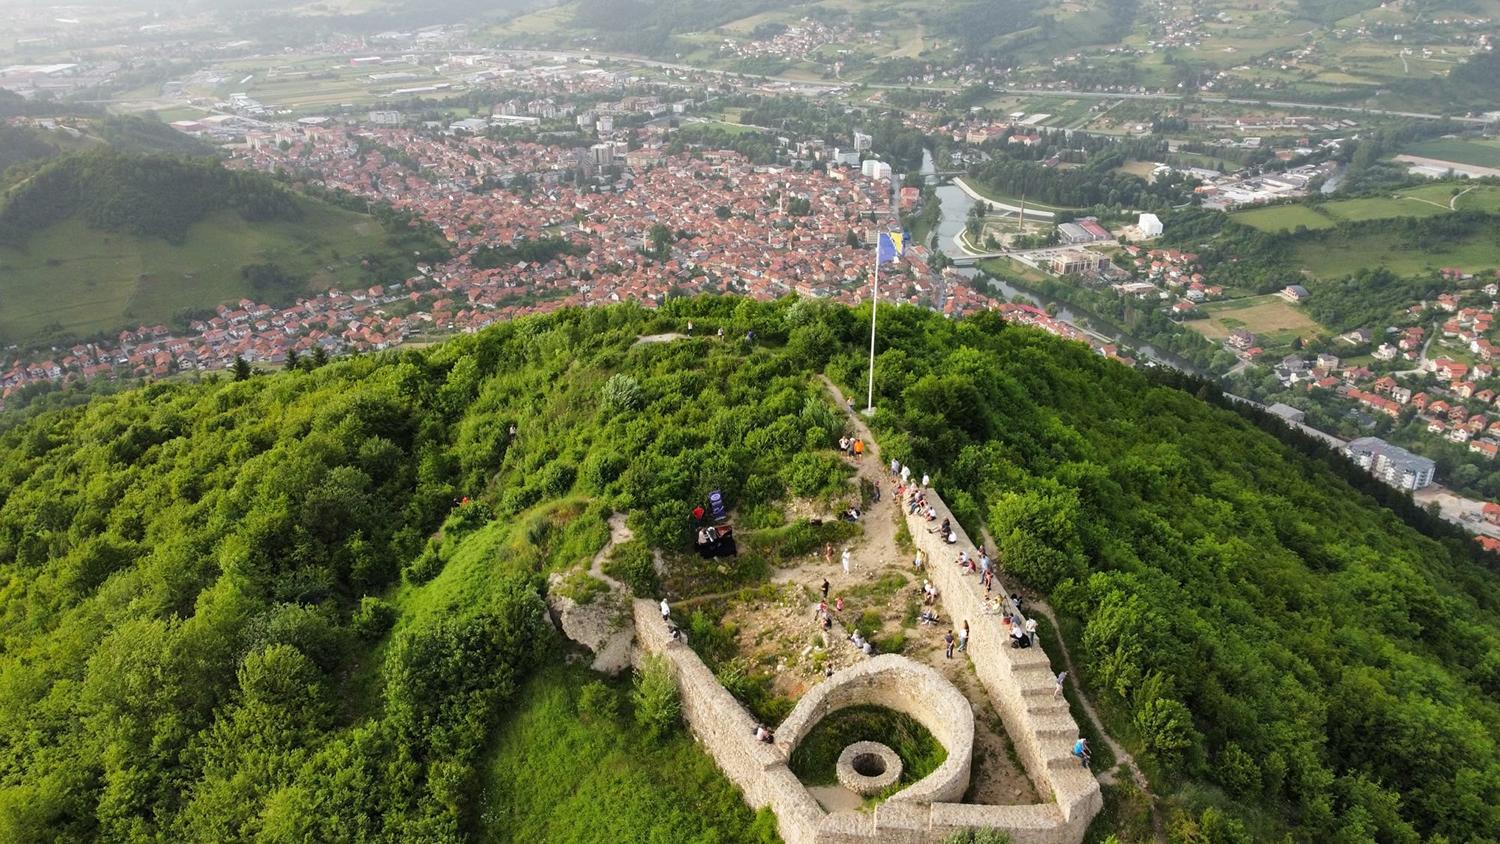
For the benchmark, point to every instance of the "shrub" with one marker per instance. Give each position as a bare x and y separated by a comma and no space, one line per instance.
597,703
814,474
657,704
373,618
427,564
622,394
631,563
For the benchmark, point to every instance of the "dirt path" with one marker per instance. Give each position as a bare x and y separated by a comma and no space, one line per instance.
659,338
997,778
618,532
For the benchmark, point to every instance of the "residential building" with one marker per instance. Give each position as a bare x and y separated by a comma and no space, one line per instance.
1391,463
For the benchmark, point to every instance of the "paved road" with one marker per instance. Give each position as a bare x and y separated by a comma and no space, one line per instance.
1104,95
1040,92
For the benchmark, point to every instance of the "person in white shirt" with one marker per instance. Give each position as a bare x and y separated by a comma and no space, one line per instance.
666,611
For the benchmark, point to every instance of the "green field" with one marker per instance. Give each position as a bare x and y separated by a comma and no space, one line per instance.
1425,201
73,281
1282,218
1343,256
1478,153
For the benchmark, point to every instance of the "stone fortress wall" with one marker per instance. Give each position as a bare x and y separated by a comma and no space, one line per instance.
1020,682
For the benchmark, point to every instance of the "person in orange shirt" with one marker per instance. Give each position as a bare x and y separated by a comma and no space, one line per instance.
859,448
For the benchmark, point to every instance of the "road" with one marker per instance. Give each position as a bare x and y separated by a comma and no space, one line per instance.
1043,92
1035,92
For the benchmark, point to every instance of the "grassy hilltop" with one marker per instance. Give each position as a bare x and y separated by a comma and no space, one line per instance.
259,609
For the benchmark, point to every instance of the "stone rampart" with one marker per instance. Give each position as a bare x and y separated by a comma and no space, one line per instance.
1021,682
726,732
903,685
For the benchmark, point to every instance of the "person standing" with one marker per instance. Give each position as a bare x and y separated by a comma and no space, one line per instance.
963,639
905,475
925,480
1031,628
666,611
948,644
1062,677
825,589
1081,750
846,559
877,492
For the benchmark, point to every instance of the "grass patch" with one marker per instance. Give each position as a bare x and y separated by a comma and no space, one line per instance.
814,759
581,587
1264,315
570,767
888,584
1125,818
781,544
1283,218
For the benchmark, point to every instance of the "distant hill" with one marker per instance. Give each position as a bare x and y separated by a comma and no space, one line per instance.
24,147
100,241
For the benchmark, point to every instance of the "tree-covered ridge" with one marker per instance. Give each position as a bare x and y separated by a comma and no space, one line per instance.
261,610
1283,648
149,195
197,580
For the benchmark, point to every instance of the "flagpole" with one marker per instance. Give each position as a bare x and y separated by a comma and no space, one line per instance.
874,306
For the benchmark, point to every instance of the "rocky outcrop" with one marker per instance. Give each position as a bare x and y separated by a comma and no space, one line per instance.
602,625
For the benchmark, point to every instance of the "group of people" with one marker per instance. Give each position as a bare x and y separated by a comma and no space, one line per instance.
852,446
929,592
861,643
1022,634
963,641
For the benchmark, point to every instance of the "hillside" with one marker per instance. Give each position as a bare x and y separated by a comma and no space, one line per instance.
31,145
309,605
97,242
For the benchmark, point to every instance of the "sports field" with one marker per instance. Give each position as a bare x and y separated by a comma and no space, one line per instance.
73,281
1270,317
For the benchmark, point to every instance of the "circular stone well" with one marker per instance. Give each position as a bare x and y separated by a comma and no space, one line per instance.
868,767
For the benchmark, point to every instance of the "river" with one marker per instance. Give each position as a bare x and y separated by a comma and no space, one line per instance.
955,213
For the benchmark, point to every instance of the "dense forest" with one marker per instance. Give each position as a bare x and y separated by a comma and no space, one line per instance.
306,605
147,195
